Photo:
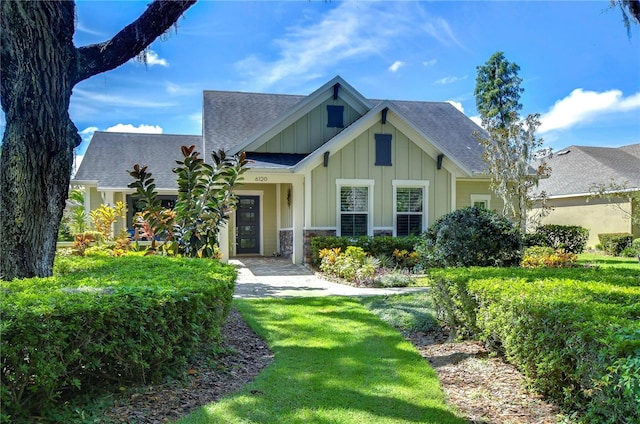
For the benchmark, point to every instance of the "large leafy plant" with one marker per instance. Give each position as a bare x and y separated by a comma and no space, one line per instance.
205,198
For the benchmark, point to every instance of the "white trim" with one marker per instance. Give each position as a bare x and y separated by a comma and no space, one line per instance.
278,216
454,192
481,198
424,185
320,229
307,198
382,228
342,182
260,194
286,229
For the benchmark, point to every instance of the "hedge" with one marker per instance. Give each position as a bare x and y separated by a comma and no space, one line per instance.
570,238
614,243
105,321
375,246
578,342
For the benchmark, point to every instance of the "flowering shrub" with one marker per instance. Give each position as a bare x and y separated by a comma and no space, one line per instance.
538,257
352,265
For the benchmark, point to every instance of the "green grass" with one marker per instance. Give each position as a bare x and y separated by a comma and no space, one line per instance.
335,362
408,312
598,259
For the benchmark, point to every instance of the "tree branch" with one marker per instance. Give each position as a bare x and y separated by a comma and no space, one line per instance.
129,42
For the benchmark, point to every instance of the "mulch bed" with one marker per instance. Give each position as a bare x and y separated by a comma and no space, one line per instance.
483,389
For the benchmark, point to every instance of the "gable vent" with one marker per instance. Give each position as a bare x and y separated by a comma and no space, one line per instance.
336,87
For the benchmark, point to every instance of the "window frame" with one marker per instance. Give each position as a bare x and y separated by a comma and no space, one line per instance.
369,184
477,198
424,185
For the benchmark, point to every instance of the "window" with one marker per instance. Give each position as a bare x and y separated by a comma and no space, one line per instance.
409,202
335,116
409,207
354,202
481,200
383,149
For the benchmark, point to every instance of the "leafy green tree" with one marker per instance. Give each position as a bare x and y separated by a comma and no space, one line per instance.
205,198
40,67
511,147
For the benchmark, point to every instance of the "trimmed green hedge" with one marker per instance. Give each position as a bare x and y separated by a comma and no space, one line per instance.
577,340
375,246
103,321
614,243
570,238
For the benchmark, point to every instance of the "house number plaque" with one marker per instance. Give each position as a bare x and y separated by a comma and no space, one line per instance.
262,179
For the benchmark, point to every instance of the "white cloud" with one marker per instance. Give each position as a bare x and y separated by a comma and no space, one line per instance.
87,133
396,65
457,105
150,58
118,101
449,80
430,62
582,106
142,128
477,120
309,50
439,29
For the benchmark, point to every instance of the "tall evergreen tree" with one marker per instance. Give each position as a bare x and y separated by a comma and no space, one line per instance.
498,92
512,151
40,67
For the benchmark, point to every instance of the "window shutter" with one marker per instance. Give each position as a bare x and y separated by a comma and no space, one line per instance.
383,149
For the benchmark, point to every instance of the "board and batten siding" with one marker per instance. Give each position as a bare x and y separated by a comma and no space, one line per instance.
309,132
357,161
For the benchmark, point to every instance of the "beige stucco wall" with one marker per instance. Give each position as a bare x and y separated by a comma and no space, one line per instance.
286,210
597,215
310,131
466,188
357,161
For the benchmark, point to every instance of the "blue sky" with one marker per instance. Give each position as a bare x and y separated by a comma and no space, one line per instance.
580,70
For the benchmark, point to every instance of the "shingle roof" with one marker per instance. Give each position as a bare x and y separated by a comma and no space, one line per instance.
229,118
448,127
233,118
110,155
576,169
274,160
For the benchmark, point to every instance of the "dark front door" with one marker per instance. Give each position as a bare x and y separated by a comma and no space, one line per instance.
248,225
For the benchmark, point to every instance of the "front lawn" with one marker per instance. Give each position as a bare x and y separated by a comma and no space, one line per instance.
335,362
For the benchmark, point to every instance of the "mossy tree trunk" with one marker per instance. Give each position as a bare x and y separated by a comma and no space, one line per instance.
40,66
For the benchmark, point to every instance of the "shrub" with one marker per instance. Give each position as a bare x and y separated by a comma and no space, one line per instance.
539,256
633,250
471,237
352,265
576,341
106,322
393,279
374,246
570,238
614,243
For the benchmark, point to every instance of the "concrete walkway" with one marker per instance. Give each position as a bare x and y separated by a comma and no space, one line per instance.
277,277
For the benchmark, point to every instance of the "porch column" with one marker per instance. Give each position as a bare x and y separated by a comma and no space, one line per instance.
297,204
223,242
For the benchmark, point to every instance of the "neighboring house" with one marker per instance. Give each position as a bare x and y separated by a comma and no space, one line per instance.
330,163
574,173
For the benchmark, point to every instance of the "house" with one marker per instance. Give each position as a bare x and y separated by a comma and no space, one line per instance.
575,171
329,163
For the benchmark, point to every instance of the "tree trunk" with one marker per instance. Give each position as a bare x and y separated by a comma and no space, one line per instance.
40,66
37,147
